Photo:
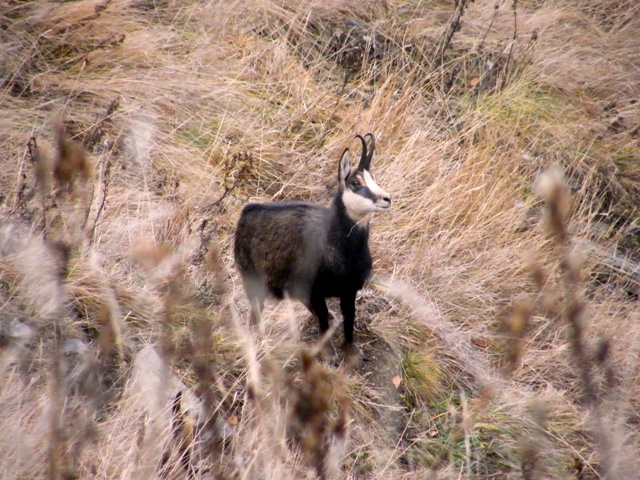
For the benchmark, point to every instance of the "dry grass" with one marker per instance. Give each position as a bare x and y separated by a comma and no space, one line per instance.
501,325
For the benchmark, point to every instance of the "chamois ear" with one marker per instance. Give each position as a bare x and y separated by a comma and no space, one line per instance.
345,167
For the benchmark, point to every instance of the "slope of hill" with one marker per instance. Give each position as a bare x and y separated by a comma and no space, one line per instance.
500,328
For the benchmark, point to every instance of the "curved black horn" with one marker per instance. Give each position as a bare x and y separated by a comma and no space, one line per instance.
372,149
363,159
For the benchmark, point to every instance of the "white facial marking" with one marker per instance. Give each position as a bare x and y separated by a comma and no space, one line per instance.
377,191
359,206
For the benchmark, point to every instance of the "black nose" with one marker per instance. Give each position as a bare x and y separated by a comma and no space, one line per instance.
387,199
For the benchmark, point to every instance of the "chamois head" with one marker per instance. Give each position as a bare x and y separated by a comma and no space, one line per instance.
358,190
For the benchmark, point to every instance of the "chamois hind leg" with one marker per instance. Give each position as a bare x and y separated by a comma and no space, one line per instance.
256,294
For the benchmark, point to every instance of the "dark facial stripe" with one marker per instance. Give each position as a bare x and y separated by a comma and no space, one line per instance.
363,190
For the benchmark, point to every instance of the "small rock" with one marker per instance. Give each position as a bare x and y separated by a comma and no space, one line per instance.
152,388
75,345
19,330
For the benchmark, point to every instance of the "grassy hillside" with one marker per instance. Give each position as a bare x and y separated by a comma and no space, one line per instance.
501,328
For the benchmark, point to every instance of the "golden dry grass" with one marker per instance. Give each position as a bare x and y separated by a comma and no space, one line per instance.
496,350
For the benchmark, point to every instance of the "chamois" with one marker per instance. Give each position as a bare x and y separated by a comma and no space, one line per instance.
310,252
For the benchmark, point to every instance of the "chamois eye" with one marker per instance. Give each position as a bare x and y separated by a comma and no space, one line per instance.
356,184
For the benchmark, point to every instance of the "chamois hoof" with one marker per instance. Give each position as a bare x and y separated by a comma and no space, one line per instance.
352,355
329,355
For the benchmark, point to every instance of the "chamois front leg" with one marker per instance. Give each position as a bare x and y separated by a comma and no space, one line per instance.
318,307
348,308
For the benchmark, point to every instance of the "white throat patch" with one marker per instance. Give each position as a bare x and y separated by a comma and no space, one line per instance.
358,207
